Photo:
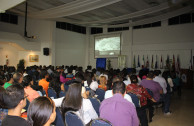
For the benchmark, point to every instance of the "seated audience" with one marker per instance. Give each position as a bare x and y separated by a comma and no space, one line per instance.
83,107
118,110
9,80
103,82
70,75
43,82
41,112
109,94
27,82
155,88
14,99
56,84
143,95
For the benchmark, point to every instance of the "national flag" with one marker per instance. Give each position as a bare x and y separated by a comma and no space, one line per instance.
177,68
173,63
138,63
134,63
147,63
152,66
143,65
156,63
161,63
167,62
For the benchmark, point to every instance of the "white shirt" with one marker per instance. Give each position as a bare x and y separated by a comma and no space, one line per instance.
109,94
87,112
162,83
127,82
94,85
170,82
58,101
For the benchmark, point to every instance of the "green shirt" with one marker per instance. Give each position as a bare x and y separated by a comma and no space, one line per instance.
6,85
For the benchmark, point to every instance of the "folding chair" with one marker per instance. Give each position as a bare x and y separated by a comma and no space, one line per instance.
71,119
100,93
100,122
61,94
135,100
52,93
96,104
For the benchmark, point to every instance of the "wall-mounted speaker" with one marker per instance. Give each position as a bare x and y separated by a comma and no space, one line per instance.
46,51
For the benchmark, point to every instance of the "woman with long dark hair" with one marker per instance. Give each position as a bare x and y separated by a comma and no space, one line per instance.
73,101
55,83
41,112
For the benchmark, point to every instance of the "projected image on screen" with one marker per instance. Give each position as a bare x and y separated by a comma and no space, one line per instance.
107,46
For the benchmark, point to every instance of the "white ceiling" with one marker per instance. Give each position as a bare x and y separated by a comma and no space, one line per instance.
104,12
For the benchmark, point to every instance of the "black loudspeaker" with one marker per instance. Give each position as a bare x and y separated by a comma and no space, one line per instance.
46,51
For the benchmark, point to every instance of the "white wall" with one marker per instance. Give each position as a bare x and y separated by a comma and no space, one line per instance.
177,40
160,41
11,52
42,29
26,54
70,48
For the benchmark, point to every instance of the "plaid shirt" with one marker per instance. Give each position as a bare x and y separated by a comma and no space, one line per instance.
140,91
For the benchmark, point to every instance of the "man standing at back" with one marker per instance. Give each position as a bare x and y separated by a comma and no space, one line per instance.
118,110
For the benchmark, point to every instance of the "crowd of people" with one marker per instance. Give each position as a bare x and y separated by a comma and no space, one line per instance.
126,94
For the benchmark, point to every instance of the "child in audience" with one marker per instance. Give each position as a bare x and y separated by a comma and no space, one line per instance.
103,82
41,112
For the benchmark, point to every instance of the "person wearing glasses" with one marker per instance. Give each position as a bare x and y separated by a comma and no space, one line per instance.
14,99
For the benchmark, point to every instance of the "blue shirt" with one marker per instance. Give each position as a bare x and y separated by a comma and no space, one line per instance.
119,111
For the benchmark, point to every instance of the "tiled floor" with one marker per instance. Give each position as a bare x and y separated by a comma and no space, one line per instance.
182,111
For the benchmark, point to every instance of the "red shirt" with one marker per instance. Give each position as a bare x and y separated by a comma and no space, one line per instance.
140,91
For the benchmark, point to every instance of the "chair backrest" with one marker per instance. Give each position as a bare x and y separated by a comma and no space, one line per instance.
66,87
100,93
150,92
61,94
87,88
71,119
43,92
135,100
52,93
59,119
96,104
100,122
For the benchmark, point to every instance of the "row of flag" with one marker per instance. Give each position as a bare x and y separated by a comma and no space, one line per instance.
146,64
